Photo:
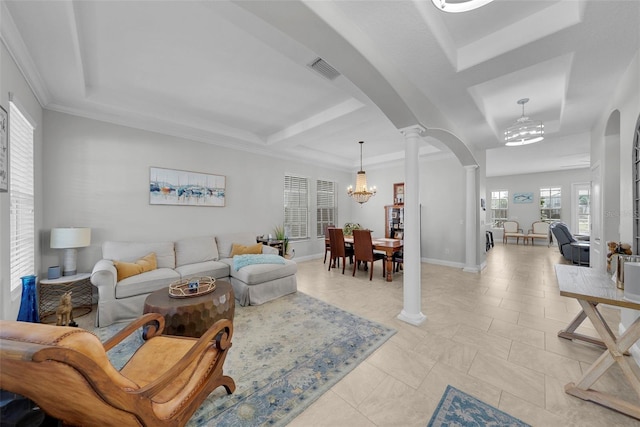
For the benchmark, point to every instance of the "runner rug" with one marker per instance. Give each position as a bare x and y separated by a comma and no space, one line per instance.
457,408
285,354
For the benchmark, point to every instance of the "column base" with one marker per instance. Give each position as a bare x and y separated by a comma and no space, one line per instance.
472,269
417,319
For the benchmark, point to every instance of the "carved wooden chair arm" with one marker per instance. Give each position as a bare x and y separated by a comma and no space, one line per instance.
221,332
156,328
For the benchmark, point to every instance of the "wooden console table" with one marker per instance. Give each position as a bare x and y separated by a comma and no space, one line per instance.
591,288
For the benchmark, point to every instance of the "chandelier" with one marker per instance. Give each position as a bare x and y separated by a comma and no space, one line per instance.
457,6
524,131
361,193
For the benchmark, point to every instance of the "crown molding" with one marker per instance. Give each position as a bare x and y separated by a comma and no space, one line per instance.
18,50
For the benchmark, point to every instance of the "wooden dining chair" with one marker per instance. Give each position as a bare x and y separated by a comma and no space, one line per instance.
339,248
327,244
363,251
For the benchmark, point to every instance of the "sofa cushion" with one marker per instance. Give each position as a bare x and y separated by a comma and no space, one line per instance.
260,273
226,241
195,250
128,269
146,283
131,251
238,249
215,269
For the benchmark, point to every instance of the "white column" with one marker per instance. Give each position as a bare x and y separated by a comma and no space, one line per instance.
471,240
412,269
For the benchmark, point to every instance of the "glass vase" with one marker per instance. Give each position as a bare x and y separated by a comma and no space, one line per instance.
28,303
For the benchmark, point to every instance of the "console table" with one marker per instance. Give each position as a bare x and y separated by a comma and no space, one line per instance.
591,288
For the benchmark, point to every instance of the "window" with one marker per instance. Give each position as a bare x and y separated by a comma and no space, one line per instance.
325,205
550,203
499,207
21,196
296,207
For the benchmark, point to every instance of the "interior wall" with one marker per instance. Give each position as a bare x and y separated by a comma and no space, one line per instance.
11,80
527,213
97,176
442,206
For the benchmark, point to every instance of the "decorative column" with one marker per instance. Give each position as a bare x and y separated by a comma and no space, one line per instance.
471,241
412,269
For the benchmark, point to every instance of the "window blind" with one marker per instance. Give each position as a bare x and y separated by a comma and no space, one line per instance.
21,196
296,206
325,205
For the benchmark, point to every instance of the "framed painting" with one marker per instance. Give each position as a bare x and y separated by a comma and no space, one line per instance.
522,197
4,150
185,188
398,193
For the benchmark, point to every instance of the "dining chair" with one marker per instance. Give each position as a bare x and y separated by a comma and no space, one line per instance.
363,251
338,249
327,244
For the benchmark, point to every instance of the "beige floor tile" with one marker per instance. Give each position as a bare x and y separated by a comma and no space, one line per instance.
441,375
359,383
545,362
529,413
485,343
407,366
515,379
393,403
330,411
516,332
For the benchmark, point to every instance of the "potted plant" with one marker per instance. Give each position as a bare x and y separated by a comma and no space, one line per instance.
279,234
349,227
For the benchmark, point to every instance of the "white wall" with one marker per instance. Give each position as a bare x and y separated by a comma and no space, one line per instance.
442,200
11,80
97,176
526,213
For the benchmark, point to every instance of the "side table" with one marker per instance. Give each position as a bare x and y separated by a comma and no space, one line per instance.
50,291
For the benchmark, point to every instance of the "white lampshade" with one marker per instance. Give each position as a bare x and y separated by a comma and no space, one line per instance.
73,237
69,239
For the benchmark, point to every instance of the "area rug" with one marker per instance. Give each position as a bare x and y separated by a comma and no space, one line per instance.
456,408
284,355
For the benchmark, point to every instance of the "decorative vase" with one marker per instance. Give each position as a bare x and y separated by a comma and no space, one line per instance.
28,304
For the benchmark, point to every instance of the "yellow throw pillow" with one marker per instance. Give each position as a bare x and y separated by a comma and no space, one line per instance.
238,249
128,269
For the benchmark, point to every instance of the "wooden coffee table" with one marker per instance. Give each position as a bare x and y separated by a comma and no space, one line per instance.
191,317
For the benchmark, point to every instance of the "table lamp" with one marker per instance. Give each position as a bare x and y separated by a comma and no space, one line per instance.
69,239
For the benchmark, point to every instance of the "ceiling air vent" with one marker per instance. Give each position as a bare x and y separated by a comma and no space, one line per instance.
321,67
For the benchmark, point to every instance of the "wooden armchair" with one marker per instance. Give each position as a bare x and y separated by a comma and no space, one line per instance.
539,230
66,371
512,229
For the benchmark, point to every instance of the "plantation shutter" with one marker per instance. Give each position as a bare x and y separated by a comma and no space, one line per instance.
296,206
325,205
21,196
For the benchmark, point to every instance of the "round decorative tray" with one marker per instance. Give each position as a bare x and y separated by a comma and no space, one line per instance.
192,287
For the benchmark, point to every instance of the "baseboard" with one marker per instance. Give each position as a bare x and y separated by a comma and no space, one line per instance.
443,262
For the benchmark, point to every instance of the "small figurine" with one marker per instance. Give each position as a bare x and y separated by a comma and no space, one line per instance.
64,313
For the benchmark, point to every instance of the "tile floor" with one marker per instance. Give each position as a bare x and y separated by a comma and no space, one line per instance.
492,335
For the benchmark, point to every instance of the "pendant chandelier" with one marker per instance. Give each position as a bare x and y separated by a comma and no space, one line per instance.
524,131
361,193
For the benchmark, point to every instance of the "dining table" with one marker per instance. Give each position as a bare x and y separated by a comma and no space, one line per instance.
386,245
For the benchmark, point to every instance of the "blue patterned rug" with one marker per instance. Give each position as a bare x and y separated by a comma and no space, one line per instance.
457,408
285,354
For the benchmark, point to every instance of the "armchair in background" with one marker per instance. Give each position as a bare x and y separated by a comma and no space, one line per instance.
512,229
576,251
540,230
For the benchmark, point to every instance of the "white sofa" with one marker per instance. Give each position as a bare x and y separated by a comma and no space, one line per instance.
199,256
